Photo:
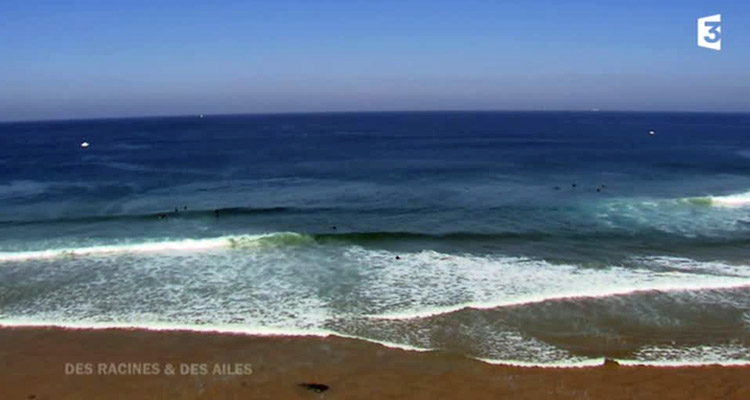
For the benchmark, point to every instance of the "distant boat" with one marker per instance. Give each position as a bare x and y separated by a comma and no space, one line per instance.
200,116
85,145
652,133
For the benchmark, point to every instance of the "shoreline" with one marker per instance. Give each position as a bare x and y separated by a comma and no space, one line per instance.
325,334
51,363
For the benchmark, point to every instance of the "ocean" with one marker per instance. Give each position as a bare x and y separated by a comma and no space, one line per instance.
531,238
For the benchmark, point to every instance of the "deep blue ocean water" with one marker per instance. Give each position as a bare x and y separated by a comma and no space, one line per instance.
540,237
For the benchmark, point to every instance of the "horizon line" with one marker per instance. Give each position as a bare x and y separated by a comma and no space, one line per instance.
384,111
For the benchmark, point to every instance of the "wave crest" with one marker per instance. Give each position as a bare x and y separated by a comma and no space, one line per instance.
729,201
224,242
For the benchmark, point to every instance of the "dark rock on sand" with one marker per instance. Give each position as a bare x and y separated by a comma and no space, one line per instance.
608,362
315,387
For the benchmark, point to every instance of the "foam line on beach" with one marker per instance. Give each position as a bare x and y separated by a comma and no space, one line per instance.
596,362
270,332
203,329
166,327
688,363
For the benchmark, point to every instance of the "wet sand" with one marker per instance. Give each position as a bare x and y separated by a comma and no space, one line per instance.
51,363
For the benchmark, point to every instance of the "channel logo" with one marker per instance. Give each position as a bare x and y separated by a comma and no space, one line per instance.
709,32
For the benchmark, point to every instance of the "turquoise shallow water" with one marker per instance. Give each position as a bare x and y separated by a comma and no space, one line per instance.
526,237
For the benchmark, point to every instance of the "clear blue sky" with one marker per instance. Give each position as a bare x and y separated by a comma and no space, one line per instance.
79,59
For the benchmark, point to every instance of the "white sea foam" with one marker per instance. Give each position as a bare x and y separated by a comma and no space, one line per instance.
732,201
694,266
309,290
164,326
596,362
727,201
708,216
664,356
178,245
577,294
418,285
181,245
427,279
685,363
213,328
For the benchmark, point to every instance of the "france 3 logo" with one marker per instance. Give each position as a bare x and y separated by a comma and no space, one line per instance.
709,32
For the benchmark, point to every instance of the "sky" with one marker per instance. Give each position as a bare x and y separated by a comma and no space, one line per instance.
92,59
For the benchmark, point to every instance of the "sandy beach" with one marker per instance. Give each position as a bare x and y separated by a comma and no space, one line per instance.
55,363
